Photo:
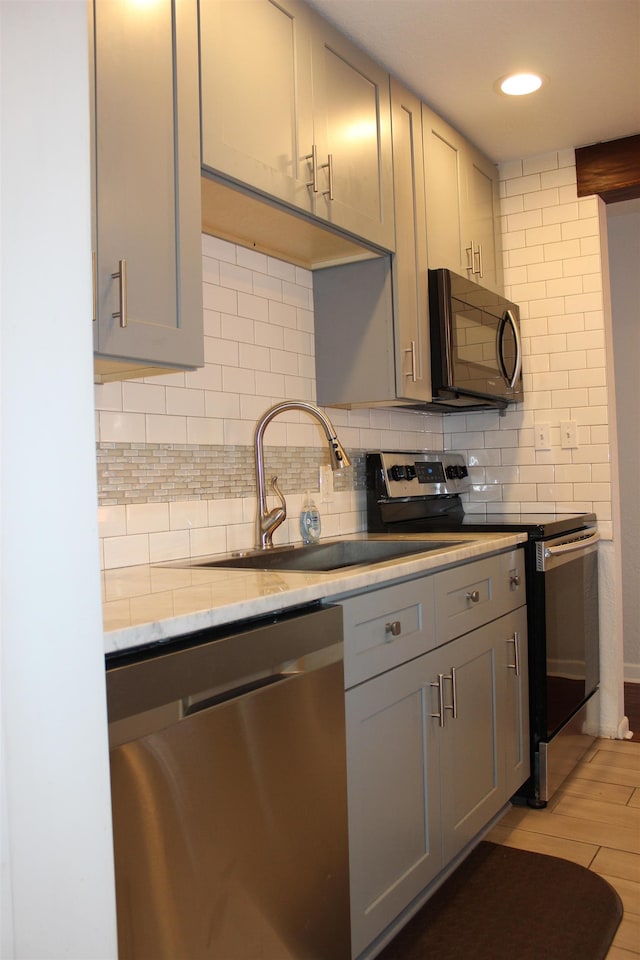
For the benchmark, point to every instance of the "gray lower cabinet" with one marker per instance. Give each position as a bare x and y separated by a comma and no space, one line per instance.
437,732
147,230
291,108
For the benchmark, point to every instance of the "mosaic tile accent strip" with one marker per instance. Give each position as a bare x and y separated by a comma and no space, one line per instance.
159,473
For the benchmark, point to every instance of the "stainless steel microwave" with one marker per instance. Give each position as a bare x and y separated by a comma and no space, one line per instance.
476,350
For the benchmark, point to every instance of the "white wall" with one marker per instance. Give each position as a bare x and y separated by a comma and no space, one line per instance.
57,871
623,227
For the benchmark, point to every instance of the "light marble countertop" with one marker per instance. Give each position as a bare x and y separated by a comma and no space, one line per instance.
150,603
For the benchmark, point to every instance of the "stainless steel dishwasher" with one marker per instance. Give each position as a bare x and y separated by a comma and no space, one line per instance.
228,780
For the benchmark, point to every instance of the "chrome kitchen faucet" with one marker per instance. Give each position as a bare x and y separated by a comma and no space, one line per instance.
268,521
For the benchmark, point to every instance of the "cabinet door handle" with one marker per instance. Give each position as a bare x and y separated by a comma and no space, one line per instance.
329,167
515,640
412,350
473,596
439,683
121,274
454,694
313,156
469,252
392,629
514,580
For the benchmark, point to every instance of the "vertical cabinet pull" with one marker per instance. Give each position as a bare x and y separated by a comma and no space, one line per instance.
313,157
515,640
412,350
439,683
121,275
469,252
475,265
329,167
454,694
442,706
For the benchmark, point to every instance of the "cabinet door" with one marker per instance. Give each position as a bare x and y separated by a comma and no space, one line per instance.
515,672
394,816
257,124
444,163
472,738
482,220
148,182
410,299
352,133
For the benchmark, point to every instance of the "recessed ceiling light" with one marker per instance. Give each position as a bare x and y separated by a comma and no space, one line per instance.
519,84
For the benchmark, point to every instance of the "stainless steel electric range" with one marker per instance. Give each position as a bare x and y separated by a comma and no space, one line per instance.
420,491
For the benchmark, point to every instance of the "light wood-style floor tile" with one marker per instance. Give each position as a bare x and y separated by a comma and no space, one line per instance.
628,891
628,933
593,820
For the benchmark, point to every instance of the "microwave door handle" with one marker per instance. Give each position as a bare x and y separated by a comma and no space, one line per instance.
508,318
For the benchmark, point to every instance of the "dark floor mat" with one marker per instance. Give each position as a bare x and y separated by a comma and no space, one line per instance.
508,904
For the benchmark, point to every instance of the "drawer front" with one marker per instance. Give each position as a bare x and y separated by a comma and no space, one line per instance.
476,593
386,627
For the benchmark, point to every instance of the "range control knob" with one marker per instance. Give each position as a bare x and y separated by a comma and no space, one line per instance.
410,471
456,472
397,472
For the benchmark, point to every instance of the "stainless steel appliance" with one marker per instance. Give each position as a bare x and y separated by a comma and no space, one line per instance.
476,354
228,778
418,492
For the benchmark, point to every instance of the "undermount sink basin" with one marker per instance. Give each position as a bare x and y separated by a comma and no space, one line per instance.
325,557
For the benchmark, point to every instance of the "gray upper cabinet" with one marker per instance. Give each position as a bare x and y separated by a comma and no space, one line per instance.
257,123
463,205
372,322
352,136
292,109
409,266
147,270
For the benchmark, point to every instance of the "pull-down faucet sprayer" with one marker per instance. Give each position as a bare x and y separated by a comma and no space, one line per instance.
267,521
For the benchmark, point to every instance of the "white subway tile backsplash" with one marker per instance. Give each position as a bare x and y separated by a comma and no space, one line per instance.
121,427
259,349
161,429
540,163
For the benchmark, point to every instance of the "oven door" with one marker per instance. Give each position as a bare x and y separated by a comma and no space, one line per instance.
568,566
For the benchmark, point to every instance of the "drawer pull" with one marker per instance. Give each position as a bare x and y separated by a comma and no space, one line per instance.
473,595
514,580
392,629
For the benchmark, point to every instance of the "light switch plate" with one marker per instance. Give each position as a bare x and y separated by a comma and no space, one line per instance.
568,434
543,436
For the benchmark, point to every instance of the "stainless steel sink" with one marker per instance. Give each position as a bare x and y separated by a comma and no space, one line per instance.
324,557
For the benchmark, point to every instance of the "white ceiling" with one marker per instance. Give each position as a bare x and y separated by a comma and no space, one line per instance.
451,52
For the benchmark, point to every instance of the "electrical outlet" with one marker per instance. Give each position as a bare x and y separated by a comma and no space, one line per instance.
543,436
568,434
325,483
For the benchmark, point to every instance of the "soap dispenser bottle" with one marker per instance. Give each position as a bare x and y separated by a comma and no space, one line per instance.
309,521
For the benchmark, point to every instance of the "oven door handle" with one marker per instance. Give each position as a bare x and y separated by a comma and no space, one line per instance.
572,546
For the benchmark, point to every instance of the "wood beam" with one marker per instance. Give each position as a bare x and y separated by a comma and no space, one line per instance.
610,169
